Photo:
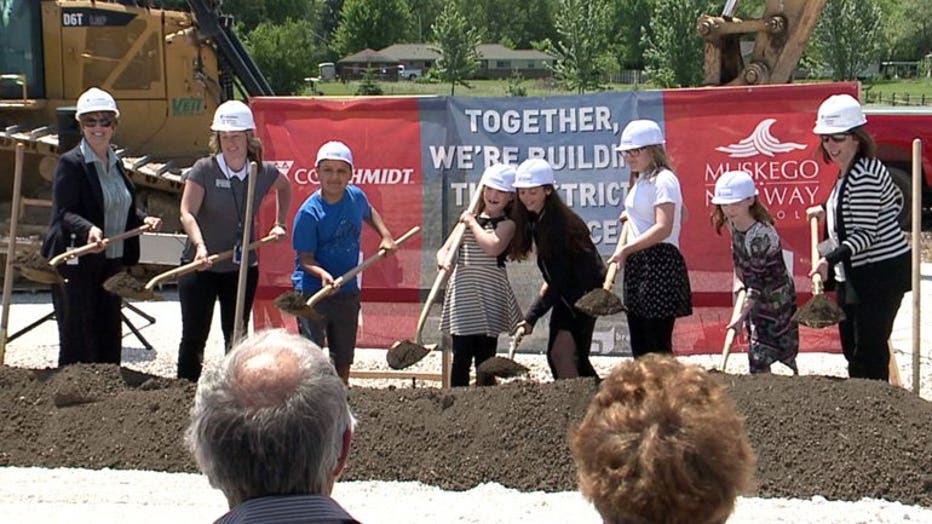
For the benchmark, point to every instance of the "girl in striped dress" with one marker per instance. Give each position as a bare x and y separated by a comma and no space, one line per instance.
479,302
759,266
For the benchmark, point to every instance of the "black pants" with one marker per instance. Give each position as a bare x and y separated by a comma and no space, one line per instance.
197,293
466,348
650,335
90,327
580,326
865,332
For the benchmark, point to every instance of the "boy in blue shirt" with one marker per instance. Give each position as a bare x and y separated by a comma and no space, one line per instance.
326,239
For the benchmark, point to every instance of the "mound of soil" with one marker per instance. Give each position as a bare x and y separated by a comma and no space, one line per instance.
842,439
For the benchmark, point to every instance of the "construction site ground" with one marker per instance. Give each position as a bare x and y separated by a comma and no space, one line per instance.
818,437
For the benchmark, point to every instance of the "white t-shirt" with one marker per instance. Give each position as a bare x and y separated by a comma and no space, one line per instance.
646,194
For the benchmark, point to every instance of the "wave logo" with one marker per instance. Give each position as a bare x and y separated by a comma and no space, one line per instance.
761,142
283,166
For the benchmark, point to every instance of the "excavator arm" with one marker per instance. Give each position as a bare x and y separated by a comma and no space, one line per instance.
782,35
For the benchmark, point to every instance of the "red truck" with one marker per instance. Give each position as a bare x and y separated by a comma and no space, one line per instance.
894,128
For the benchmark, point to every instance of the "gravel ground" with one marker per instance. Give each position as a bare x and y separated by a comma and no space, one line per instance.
75,495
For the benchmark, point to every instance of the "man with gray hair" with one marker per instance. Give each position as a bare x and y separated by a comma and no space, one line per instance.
271,428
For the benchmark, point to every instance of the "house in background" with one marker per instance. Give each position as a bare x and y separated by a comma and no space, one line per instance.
417,59
497,61
354,66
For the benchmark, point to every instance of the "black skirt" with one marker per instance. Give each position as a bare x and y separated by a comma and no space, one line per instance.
657,284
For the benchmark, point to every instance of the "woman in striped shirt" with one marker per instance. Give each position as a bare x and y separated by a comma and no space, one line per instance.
866,248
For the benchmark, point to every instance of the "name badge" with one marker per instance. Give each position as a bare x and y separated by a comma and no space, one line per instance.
223,183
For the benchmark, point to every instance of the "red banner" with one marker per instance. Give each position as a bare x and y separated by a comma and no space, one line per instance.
292,130
764,130
767,132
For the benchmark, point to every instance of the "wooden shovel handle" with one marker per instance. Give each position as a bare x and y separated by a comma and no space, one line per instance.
613,267
456,238
459,231
328,290
817,285
515,342
191,267
732,332
83,250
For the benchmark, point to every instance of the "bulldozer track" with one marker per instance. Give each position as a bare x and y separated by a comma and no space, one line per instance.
144,171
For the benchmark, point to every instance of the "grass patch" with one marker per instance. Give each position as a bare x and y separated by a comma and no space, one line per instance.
899,92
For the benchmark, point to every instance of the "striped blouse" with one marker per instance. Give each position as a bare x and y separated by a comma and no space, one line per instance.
866,220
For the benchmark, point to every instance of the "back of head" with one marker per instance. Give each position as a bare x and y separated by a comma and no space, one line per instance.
270,419
662,442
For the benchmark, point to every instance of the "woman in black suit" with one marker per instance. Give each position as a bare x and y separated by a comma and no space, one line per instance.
92,200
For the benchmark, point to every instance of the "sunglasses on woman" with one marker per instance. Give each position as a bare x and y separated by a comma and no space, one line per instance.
837,137
632,152
94,122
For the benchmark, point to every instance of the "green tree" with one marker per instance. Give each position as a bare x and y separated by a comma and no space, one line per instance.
285,53
424,14
908,27
456,42
513,23
674,51
630,23
251,13
582,51
373,24
848,37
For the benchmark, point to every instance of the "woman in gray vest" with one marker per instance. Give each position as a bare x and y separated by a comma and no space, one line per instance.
213,207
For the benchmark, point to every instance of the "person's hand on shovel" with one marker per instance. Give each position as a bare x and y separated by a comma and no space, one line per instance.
815,211
745,309
388,244
201,255
154,223
820,268
96,236
527,326
620,254
279,230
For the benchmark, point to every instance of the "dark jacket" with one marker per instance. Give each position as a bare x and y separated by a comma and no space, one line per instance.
866,218
78,205
569,275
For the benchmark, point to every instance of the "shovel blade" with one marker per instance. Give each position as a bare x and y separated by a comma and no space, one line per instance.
600,302
498,367
405,354
126,286
292,302
820,312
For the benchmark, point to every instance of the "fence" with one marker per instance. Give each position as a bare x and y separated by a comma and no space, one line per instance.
898,99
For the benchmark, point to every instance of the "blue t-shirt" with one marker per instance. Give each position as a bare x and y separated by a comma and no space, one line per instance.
332,233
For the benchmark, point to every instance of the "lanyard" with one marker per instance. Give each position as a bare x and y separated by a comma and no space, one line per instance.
236,201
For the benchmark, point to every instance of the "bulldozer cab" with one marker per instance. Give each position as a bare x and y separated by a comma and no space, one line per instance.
21,50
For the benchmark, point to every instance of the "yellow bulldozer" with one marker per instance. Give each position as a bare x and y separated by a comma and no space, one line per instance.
167,69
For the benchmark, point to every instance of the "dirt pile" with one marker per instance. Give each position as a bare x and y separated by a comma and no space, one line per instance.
842,439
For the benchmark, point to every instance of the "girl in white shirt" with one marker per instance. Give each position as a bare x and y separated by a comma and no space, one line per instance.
656,284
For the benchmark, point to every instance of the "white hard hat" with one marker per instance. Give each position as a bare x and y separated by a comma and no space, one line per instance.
640,133
500,177
334,151
733,187
839,114
533,172
95,100
233,115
